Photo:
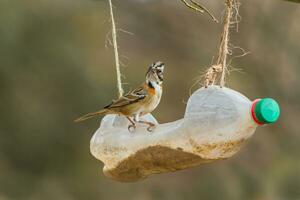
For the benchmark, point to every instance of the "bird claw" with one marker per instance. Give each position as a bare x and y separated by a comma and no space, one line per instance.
151,128
131,128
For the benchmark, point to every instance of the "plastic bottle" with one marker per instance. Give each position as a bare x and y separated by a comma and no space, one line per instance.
217,122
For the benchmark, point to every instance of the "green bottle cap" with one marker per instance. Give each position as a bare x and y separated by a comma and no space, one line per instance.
267,111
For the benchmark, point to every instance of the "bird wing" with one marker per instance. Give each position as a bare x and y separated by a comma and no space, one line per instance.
131,97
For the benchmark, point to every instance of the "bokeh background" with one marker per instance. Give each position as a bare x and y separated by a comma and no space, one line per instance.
55,67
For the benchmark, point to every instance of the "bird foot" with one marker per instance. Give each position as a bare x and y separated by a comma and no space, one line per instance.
131,128
151,128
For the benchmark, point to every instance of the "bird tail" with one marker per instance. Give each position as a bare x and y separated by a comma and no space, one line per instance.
91,115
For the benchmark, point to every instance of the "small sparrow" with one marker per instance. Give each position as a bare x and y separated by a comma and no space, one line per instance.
138,102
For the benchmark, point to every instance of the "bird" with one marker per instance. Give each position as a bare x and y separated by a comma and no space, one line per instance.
137,102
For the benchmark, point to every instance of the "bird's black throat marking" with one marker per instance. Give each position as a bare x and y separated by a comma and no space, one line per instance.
151,85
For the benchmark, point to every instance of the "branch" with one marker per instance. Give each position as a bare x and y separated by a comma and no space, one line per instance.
199,8
295,1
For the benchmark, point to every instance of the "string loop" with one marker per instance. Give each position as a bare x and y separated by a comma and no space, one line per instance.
220,68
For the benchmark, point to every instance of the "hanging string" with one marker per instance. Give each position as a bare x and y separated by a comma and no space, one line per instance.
116,52
223,51
221,65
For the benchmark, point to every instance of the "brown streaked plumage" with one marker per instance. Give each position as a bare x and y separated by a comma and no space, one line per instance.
138,102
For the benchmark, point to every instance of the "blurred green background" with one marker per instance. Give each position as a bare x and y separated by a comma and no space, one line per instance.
55,67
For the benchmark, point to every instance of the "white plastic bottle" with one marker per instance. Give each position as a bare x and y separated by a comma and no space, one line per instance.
216,124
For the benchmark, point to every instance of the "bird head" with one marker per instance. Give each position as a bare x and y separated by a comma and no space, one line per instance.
155,73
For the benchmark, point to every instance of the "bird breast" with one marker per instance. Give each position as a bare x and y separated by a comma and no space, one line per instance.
153,99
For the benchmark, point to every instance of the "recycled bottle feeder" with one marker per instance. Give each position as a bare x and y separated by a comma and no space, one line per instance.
217,122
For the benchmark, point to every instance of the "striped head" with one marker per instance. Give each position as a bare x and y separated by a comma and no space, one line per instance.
155,73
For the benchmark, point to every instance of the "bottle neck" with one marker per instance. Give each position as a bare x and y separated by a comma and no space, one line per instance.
255,119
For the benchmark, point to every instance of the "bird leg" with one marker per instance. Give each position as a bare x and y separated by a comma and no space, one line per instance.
132,126
151,126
